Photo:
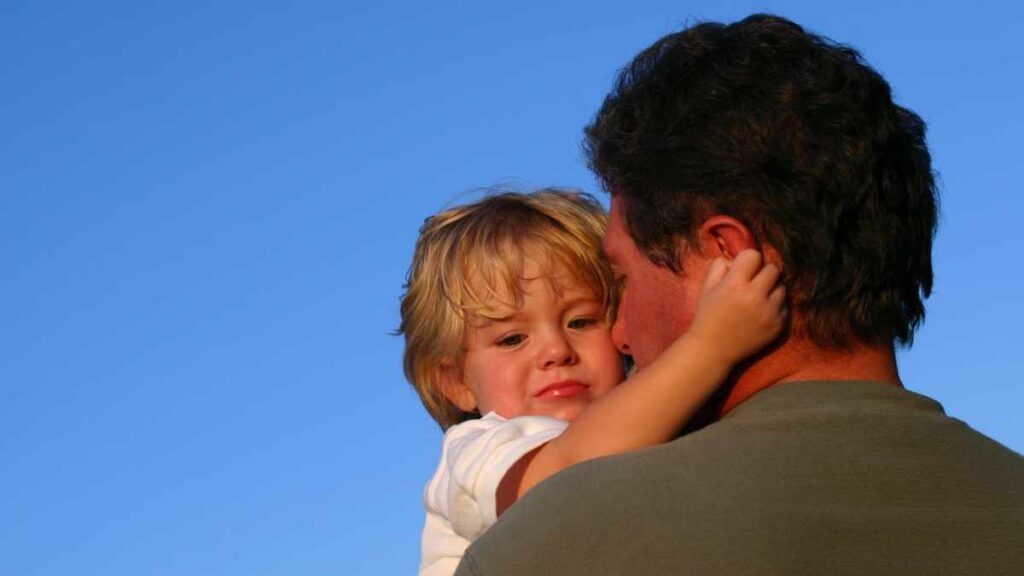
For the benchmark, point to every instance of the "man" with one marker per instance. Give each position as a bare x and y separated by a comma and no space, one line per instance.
817,461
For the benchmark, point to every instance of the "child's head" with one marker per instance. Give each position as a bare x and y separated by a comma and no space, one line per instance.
507,308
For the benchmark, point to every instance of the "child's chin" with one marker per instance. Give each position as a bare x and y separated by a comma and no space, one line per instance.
568,413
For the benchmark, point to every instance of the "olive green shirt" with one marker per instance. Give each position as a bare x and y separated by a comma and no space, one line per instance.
802,478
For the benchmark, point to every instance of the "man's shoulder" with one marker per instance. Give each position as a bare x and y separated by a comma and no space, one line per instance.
882,469
623,503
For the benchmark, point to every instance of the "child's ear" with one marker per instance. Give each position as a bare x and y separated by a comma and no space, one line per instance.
455,390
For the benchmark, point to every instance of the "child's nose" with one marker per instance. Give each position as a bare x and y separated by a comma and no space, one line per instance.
557,352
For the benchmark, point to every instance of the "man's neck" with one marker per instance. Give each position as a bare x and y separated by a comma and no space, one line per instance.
800,360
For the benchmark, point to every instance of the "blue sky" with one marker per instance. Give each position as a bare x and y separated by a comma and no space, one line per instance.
207,212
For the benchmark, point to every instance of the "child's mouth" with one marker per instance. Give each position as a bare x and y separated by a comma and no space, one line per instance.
563,389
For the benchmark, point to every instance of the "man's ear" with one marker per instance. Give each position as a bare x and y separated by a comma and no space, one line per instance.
724,236
454,389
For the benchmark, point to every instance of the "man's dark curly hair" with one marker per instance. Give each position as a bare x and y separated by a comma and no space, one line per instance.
795,136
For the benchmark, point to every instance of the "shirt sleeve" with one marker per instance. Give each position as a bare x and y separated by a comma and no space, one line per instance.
475,457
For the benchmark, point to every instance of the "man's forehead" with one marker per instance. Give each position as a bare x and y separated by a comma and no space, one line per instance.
612,240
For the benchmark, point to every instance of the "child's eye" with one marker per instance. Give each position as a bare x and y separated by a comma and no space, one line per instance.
580,323
511,340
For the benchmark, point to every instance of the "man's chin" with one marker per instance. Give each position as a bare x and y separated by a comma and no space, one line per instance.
629,366
635,364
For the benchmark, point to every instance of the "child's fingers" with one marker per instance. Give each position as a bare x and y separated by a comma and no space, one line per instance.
717,270
777,298
745,265
766,278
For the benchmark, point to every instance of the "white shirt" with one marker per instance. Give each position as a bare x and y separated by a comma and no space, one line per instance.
460,498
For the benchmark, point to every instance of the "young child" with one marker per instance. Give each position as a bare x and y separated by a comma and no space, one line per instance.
507,316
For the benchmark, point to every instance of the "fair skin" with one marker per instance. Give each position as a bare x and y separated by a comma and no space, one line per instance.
550,357
554,356
658,305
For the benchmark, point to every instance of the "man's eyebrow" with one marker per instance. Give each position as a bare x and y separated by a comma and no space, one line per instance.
608,254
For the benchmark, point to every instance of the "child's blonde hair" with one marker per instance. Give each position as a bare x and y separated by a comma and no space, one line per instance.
470,256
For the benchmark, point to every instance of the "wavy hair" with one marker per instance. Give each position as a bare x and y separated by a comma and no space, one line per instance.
798,138
469,257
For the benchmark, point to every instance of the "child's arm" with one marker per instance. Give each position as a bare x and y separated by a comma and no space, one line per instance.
741,310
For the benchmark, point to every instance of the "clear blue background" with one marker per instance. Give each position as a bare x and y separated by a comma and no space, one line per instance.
207,211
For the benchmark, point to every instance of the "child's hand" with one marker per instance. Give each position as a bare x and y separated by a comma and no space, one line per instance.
742,307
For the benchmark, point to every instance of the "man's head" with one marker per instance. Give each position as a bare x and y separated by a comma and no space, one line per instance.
759,133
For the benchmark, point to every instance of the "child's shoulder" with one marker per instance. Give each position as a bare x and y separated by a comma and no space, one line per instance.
521,425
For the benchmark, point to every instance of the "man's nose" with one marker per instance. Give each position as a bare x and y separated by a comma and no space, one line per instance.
557,351
618,332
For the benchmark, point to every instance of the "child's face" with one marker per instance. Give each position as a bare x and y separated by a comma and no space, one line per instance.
552,357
